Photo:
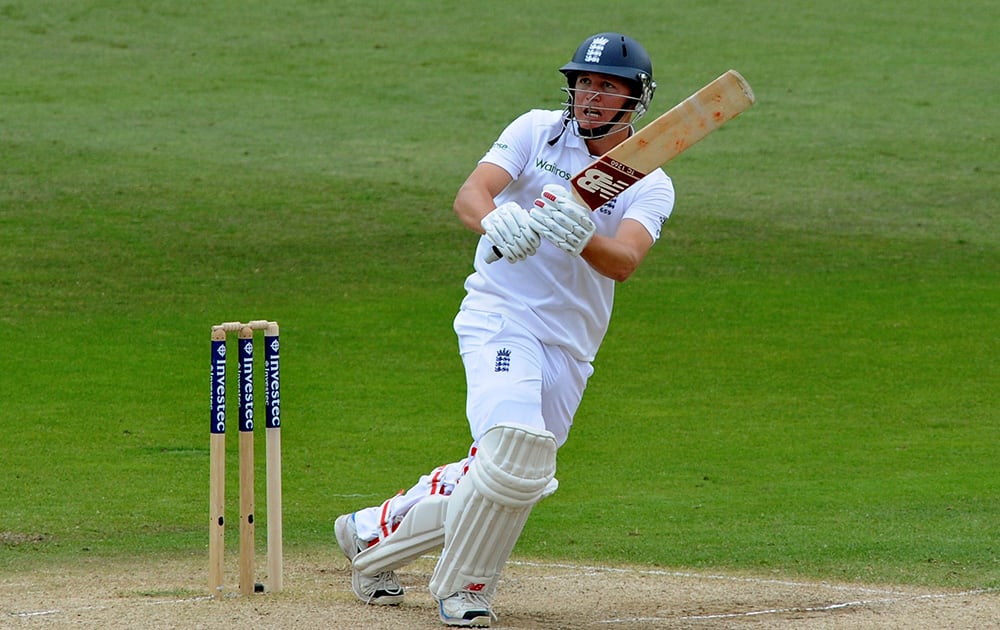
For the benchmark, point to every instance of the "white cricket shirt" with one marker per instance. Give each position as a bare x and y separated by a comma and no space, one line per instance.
560,298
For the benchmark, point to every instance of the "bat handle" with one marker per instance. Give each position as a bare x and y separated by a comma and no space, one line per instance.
493,255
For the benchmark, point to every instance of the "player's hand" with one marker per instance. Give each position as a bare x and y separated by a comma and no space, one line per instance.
561,220
508,227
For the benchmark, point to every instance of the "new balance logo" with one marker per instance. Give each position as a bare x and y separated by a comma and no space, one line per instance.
601,183
503,361
604,180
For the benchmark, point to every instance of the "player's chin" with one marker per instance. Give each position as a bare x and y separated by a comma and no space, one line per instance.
590,124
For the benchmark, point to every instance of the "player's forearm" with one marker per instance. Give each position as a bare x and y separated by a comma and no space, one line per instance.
612,257
475,197
471,205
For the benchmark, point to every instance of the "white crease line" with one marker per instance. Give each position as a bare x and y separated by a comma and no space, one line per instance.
836,606
55,611
897,596
785,611
590,570
37,613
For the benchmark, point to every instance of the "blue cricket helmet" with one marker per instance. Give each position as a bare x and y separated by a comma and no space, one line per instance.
617,55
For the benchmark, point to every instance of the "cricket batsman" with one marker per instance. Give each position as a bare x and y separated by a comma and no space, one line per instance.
528,330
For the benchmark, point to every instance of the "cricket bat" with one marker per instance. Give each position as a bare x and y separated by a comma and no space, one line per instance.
660,141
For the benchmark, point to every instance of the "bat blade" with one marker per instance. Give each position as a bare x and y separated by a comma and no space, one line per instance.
663,139
660,141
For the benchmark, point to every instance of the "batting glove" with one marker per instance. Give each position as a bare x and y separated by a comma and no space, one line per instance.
508,227
561,220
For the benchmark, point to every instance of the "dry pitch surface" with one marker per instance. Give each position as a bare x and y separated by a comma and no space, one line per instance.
532,595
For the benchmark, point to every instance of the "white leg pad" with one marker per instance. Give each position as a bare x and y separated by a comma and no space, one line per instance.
511,472
420,531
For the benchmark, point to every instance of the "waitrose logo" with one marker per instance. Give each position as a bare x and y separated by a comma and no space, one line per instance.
549,167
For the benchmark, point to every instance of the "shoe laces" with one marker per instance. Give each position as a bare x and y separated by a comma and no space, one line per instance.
478,600
383,581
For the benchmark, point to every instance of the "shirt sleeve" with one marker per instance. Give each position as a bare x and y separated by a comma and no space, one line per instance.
513,149
651,202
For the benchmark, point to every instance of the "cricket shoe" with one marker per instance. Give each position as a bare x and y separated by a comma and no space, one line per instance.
383,588
466,608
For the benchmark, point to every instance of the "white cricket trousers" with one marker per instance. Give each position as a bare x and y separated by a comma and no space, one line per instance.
510,377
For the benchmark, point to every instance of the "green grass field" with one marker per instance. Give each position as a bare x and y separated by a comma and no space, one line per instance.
801,380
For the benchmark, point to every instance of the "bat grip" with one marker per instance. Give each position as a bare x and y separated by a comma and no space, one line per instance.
493,255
